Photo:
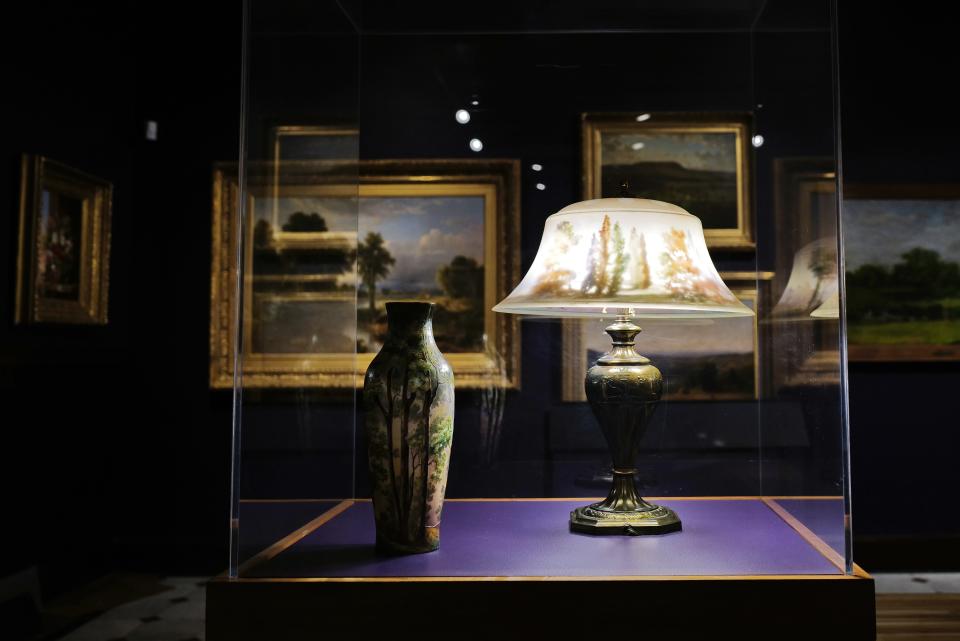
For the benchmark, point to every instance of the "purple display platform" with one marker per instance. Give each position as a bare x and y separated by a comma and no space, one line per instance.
824,517
529,538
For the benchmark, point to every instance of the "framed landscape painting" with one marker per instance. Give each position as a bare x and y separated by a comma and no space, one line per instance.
700,162
708,360
902,272
63,260
325,254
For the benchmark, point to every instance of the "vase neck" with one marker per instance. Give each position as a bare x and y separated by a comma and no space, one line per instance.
413,320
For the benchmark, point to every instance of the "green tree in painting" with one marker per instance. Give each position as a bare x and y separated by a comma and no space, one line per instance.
925,273
300,221
462,278
459,319
373,263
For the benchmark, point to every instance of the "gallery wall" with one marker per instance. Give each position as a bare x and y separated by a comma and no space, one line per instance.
900,127
116,452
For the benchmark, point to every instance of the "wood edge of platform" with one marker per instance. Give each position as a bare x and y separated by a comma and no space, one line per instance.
292,538
222,579
807,534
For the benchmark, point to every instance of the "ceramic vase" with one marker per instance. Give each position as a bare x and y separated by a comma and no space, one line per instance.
408,423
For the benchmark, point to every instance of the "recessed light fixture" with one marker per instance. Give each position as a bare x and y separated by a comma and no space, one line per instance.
637,146
476,144
643,117
462,116
541,186
536,166
757,140
474,102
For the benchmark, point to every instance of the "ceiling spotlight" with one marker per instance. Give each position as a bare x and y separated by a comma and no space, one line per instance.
476,144
462,116
474,102
643,117
536,166
541,186
757,140
637,146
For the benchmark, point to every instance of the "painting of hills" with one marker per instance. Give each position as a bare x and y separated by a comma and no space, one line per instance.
697,171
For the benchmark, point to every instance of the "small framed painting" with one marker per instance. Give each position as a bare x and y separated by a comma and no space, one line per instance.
63,258
700,162
902,272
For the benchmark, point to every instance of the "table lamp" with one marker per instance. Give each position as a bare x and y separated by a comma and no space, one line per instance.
623,258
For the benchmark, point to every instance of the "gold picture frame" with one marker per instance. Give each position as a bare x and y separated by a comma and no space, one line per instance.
659,181
63,254
752,288
495,181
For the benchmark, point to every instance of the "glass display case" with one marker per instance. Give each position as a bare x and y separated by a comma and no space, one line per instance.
414,152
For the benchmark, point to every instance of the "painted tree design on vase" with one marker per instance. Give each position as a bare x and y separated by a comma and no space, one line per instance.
408,422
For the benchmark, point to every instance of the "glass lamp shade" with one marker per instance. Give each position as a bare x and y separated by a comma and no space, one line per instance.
611,256
829,309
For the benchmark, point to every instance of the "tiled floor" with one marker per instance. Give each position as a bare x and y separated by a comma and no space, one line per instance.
177,614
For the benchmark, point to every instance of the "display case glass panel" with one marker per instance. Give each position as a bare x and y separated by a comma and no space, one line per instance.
413,152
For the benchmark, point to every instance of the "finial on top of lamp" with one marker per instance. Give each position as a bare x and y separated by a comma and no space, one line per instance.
625,258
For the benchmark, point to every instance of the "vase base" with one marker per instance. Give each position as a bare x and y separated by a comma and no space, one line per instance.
590,520
429,543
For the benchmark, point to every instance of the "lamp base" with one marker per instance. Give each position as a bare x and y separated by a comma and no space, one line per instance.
593,519
623,389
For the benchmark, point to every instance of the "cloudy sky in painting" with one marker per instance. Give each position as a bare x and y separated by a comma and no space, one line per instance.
715,152
424,233
879,231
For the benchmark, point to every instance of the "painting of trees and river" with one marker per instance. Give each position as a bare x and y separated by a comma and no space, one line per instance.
427,248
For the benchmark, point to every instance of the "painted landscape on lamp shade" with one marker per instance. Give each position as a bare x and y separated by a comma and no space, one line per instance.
697,171
652,261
